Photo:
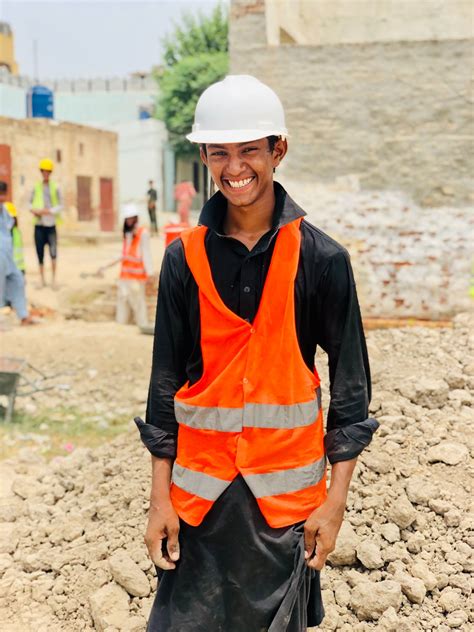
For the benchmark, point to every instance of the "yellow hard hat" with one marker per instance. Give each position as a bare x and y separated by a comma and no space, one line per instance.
46,164
11,209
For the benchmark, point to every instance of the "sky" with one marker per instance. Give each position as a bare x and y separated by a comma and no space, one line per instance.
99,38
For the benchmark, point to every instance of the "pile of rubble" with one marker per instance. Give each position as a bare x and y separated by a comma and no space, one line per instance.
72,556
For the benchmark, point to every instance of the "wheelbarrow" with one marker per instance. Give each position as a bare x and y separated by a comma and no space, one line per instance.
11,380
10,374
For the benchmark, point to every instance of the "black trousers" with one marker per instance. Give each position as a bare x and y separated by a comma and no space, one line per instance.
152,214
237,574
46,236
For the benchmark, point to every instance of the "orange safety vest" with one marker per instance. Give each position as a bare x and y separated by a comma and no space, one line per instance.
256,410
132,262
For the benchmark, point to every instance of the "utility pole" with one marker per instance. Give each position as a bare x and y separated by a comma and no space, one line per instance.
35,60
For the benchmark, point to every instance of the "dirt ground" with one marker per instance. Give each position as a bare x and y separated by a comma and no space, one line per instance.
75,478
90,377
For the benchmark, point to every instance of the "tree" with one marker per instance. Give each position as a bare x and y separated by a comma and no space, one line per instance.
195,56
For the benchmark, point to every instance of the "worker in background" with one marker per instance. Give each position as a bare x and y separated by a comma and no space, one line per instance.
152,196
12,282
46,206
17,239
136,269
241,520
184,193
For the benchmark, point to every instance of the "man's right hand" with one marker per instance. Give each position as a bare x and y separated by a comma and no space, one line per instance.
163,523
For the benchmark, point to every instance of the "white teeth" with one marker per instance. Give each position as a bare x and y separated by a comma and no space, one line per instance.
238,184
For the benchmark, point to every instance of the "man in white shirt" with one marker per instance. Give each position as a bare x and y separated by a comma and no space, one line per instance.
46,204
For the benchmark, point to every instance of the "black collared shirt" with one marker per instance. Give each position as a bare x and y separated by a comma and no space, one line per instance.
327,315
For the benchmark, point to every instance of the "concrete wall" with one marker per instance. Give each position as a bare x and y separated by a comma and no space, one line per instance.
322,22
399,114
12,101
33,139
409,261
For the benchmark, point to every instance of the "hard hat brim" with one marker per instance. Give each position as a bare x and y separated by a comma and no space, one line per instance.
233,136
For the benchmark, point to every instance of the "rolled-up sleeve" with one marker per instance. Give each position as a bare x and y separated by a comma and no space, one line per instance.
341,335
170,349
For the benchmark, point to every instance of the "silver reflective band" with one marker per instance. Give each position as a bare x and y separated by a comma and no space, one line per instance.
285,416
132,271
131,259
202,485
207,418
280,416
286,481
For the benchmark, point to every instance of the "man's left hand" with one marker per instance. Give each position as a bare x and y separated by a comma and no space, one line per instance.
320,531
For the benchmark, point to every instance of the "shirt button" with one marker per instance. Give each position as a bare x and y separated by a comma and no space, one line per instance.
247,289
245,380
252,331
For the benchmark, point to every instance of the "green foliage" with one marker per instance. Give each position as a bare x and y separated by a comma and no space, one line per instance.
181,87
199,34
196,55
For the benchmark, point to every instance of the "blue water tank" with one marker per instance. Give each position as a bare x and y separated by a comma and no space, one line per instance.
144,112
40,102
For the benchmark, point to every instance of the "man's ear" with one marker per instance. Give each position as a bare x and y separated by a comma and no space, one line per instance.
279,151
203,155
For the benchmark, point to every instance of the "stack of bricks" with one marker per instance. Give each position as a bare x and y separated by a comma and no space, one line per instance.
409,261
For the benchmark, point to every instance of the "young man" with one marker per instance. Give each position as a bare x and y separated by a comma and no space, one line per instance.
152,196
12,283
46,206
240,521
136,269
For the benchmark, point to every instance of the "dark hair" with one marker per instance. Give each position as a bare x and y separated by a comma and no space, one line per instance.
128,229
272,140
3,186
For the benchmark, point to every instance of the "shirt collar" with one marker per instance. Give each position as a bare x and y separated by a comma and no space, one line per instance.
286,210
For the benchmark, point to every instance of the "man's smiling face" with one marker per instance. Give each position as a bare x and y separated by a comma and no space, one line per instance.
244,171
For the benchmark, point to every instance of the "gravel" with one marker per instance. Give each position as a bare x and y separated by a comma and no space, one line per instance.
72,555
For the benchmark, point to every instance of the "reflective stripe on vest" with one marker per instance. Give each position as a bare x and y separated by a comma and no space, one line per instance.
133,267
199,483
256,409
269,484
251,415
286,481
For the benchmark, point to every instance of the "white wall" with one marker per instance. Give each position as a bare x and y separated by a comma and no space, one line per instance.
140,160
100,106
12,101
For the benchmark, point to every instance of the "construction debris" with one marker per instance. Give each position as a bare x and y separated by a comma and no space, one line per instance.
72,555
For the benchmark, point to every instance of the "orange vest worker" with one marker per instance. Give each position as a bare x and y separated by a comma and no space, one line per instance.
133,267
256,409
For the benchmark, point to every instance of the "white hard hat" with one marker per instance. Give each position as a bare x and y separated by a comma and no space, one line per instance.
238,109
129,210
